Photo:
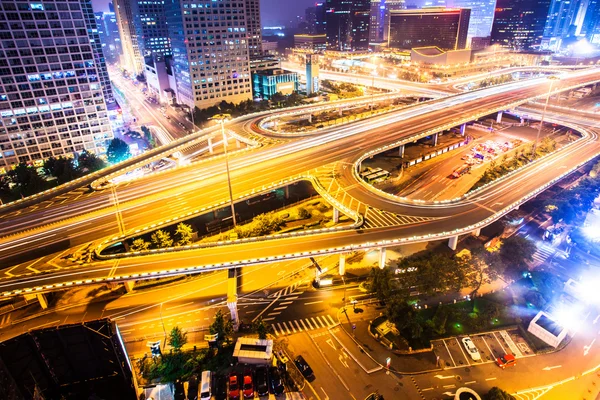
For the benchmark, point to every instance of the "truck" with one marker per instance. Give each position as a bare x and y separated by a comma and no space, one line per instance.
460,171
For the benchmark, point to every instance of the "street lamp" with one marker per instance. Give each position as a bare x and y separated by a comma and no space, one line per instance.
537,137
222,118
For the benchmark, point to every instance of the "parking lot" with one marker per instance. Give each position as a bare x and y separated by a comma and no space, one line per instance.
490,345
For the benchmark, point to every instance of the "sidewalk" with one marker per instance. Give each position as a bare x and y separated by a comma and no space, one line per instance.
359,341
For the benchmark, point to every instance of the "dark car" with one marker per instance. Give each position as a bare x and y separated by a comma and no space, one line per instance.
303,366
234,386
275,381
261,381
193,388
220,390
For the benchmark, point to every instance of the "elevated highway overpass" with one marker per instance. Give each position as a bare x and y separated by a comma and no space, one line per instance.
174,194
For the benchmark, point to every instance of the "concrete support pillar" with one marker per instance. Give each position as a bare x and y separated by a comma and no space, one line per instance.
342,266
129,285
382,257
210,145
453,242
435,139
287,192
477,232
463,129
401,150
499,117
340,111
336,216
310,118
42,299
232,297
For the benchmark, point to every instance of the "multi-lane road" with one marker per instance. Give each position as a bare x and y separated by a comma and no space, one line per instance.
175,193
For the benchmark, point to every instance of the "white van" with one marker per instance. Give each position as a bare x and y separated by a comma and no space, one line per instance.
205,386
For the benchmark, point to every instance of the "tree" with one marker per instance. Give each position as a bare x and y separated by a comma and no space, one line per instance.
148,136
496,393
26,179
62,168
177,338
516,251
139,244
117,151
184,234
381,283
479,267
260,327
221,327
400,313
89,162
161,239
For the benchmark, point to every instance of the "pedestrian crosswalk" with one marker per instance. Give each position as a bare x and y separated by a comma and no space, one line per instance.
287,290
301,325
5,319
377,218
532,394
544,252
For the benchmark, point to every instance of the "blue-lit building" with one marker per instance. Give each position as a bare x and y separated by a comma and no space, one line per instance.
267,82
519,24
482,16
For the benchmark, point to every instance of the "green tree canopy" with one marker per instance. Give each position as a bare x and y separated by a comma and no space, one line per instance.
161,239
221,327
117,151
139,244
62,168
516,251
26,179
184,234
381,283
496,393
177,338
89,162
260,327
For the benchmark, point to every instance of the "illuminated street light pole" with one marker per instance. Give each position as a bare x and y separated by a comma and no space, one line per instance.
537,137
222,118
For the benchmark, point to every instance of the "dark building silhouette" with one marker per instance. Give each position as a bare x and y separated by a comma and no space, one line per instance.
347,24
445,28
519,24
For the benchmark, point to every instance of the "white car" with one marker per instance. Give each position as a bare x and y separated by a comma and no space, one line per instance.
471,349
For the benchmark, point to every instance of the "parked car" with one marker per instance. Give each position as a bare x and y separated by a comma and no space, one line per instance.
193,388
507,360
220,391
304,368
471,349
261,381
248,385
275,381
234,388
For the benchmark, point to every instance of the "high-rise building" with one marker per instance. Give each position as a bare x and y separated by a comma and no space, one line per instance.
209,41
591,22
253,28
312,74
54,86
320,21
108,30
445,28
390,5
131,59
376,21
519,24
347,24
560,22
482,16
144,31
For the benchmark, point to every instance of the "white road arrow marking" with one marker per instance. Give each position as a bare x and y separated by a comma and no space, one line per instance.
586,349
551,368
443,377
343,362
596,320
450,394
330,342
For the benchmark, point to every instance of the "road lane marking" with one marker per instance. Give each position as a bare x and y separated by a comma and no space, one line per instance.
313,302
470,382
324,325
332,321
303,324
314,322
268,319
285,303
326,397
298,326
449,386
309,324
181,305
448,350
488,346
491,379
426,389
286,328
279,308
503,349
274,313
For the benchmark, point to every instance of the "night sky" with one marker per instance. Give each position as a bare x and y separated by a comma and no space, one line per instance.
273,11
